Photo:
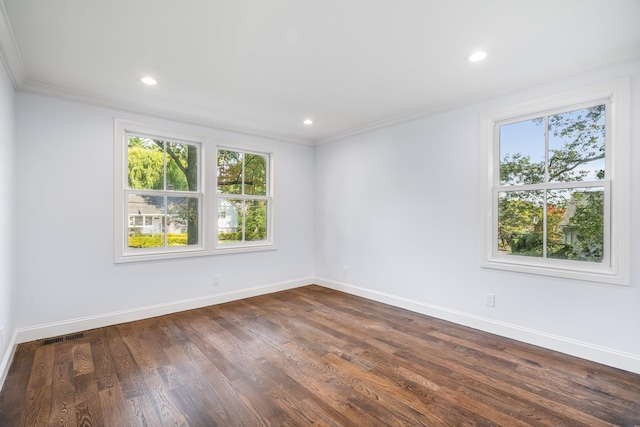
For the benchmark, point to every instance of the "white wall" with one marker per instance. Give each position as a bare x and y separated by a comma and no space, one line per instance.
428,170
7,215
65,268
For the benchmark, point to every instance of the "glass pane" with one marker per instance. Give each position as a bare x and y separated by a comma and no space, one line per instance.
182,222
229,220
522,152
575,227
255,175
520,222
576,145
256,221
229,172
142,235
145,164
182,167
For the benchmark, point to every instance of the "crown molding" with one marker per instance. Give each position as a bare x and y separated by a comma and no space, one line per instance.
162,113
630,54
9,53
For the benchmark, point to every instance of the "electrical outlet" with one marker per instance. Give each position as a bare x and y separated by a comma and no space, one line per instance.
1,334
215,281
345,271
490,300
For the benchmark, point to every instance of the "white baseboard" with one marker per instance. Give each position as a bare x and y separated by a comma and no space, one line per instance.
7,358
606,356
70,326
91,322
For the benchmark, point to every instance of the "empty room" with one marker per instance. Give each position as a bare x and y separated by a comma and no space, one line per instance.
329,213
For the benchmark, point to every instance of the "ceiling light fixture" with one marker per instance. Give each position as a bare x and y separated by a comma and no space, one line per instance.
149,81
478,56
308,122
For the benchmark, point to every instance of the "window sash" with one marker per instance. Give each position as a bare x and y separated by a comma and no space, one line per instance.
243,243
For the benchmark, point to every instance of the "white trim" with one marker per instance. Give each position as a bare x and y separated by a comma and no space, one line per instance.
22,335
9,53
625,55
617,269
8,358
107,319
599,354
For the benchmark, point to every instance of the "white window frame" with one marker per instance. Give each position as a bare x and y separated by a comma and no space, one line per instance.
615,267
207,207
234,246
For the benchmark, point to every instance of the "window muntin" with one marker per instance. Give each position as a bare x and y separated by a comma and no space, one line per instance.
162,193
549,193
243,198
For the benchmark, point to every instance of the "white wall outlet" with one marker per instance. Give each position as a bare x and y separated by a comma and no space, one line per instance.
345,270
215,280
1,334
490,300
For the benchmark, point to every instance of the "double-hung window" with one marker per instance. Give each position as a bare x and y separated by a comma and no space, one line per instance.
177,195
557,186
243,198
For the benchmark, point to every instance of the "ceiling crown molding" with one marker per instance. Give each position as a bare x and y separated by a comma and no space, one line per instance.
9,54
627,55
167,114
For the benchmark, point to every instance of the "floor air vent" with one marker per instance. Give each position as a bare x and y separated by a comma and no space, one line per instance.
60,339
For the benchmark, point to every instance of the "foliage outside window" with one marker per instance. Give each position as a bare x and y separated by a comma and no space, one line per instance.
553,183
243,197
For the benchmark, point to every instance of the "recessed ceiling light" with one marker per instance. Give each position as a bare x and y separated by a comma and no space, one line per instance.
308,122
478,56
149,81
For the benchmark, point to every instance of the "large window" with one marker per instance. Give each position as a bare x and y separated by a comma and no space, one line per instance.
178,195
557,184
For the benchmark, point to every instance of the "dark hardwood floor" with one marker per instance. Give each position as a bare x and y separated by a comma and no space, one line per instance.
308,356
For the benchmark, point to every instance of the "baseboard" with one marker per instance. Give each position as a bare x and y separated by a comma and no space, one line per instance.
7,358
606,356
91,322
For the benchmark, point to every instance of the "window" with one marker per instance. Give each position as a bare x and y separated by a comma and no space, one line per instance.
168,186
243,197
558,186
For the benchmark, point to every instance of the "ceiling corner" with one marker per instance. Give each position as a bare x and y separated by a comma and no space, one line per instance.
9,54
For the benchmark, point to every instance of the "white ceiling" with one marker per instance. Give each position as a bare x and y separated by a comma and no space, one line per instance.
263,66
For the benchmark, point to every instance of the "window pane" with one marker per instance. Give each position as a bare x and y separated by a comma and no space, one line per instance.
229,220
141,236
520,222
256,221
576,229
229,172
145,164
577,145
255,175
182,223
522,152
182,167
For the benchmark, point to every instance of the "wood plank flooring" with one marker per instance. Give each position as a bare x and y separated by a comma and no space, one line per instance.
308,356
